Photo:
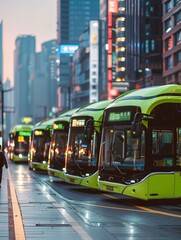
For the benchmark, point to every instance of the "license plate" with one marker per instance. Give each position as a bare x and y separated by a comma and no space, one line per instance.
110,188
71,180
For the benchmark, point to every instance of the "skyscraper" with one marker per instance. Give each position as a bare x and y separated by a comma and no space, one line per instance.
23,77
73,19
44,79
1,51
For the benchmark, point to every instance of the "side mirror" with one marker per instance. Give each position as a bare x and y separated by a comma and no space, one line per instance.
136,126
89,130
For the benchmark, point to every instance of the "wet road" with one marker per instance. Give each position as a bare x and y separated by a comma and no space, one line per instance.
102,215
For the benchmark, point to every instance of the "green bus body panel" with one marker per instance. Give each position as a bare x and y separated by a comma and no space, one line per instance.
177,189
158,186
152,187
73,179
38,166
94,110
16,158
56,173
90,181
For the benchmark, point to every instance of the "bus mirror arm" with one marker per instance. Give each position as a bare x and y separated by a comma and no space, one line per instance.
136,126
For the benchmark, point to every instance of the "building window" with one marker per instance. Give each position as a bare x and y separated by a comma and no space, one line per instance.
153,45
177,17
176,1
168,6
169,62
177,57
147,46
168,43
168,25
178,37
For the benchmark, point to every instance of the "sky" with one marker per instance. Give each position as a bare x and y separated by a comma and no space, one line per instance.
22,17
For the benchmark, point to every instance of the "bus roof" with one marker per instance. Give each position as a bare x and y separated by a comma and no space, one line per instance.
94,109
148,98
21,127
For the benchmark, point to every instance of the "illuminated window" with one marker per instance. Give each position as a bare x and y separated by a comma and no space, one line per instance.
122,29
122,59
122,49
122,9
168,43
122,39
122,19
122,69
168,25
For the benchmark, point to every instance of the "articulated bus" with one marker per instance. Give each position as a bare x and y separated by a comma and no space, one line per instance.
83,145
56,161
18,144
40,144
140,152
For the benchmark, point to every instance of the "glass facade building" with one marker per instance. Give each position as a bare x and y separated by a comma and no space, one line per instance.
73,19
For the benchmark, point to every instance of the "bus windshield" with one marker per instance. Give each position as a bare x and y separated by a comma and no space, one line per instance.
21,145
82,154
120,153
58,148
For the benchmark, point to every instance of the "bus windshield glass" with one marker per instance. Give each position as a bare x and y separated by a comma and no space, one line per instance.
21,144
120,153
82,154
58,148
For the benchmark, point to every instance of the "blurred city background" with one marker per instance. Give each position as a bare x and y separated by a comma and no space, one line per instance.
103,48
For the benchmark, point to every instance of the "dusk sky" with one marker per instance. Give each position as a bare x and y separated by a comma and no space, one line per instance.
22,17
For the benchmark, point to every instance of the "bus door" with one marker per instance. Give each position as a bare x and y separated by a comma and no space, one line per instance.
178,164
162,179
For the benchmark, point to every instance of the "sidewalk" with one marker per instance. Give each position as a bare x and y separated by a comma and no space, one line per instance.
4,208
30,211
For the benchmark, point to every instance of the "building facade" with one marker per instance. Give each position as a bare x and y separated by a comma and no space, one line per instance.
23,76
172,41
87,84
73,18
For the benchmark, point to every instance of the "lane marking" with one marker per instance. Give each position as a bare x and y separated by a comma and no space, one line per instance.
158,212
83,234
17,217
145,209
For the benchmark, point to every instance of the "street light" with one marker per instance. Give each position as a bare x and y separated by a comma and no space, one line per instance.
2,109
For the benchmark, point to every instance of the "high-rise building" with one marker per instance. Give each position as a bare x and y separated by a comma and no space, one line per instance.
44,79
86,67
172,41
133,36
23,76
73,18
1,51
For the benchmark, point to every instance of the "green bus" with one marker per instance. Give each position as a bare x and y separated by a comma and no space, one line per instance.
40,144
18,143
83,145
140,151
56,161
